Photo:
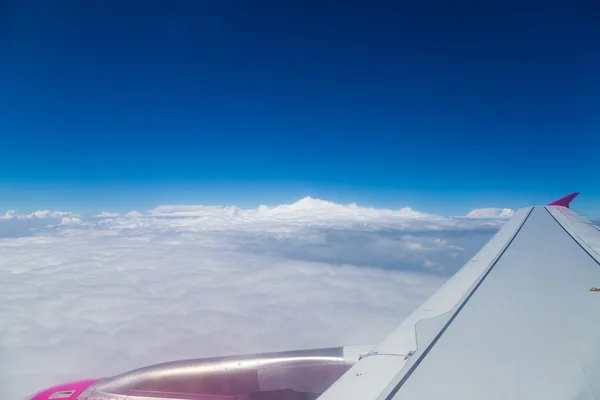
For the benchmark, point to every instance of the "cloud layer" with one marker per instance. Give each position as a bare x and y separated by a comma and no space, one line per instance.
94,298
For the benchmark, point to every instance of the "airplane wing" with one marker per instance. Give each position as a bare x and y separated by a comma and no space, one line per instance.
521,320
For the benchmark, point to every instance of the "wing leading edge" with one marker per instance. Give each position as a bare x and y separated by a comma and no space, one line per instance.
518,321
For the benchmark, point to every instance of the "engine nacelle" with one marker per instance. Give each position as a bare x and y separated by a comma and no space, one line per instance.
292,375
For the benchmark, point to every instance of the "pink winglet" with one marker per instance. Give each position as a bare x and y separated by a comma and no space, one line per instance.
66,391
564,202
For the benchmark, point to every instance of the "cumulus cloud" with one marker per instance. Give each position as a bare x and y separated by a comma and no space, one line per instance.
307,208
70,221
491,213
105,214
40,214
48,214
98,298
133,214
10,214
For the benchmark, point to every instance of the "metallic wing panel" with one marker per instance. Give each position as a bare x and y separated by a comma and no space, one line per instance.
526,327
526,333
582,230
380,370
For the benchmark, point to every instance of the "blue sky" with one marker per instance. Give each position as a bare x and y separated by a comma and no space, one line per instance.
116,105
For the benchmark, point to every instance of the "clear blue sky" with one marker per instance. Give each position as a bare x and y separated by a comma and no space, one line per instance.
442,106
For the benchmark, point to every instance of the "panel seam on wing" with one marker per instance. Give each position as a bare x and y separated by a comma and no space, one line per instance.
585,246
456,310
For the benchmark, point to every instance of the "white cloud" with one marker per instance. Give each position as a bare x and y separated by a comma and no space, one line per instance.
305,212
133,214
305,208
39,214
48,214
491,213
116,294
70,221
105,214
10,214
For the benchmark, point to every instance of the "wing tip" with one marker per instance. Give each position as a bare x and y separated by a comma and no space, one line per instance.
564,201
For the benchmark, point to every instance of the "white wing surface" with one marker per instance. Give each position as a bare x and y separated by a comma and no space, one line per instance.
521,320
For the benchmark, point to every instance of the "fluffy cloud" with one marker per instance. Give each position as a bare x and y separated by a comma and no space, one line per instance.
105,214
10,214
133,214
491,213
48,214
98,298
306,209
70,221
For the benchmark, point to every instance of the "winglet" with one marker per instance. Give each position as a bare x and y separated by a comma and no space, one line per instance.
564,202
